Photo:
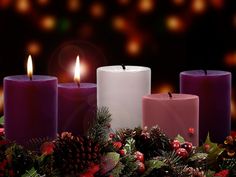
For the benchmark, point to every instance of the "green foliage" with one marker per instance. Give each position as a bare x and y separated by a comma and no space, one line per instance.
100,128
2,120
109,161
31,173
117,171
151,165
129,147
180,138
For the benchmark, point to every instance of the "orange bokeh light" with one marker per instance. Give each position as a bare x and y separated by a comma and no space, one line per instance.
230,59
73,5
199,6
48,22
97,10
174,23
5,3
119,23
218,4
43,2
34,48
164,88
178,2
133,47
146,5
123,2
23,6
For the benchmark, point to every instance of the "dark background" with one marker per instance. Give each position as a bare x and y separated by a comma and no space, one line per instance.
167,35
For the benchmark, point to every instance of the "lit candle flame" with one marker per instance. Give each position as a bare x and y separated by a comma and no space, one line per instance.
77,71
30,67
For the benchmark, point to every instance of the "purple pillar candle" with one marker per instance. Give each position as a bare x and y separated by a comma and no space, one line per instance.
30,108
76,107
214,91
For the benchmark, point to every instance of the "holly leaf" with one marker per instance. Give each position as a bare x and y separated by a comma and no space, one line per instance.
151,165
180,138
198,156
109,162
214,150
129,147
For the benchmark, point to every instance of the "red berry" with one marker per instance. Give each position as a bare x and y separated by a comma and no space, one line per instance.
141,167
122,152
207,147
188,146
117,145
111,135
191,131
182,153
139,156
175,144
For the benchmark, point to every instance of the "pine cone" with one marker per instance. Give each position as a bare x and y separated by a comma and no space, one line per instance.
74,154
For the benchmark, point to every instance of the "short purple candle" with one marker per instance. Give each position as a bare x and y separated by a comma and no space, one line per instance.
30,108
76,107
214,91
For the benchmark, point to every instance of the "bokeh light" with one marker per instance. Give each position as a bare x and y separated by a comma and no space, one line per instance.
178,2
230,59
34,47
23,6
119,23
133,46
174,23
43,2
199,6
218,4
146,5
123,2
73,5
47,22
164,88
5,3
97,10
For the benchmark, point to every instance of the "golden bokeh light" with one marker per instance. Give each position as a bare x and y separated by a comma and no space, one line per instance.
199,6
34,47
133,47
174,23
23,6
164,88
146,5
119,23
73,5
47,22
97,10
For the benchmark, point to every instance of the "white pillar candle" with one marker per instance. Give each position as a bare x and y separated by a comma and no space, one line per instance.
121,90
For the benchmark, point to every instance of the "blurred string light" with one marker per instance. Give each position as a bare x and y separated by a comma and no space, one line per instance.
23,6
119,23
164,88
73,5
198,6
34,48
133,46
5,3
43,2
174,23
47,22
146,5
178,2
230,59
97,10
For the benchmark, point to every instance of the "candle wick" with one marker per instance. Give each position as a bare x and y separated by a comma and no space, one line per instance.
123,66
170,95
205,71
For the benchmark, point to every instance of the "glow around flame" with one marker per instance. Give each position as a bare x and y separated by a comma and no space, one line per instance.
77,70
30,67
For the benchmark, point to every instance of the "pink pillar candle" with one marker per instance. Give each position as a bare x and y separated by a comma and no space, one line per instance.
174,114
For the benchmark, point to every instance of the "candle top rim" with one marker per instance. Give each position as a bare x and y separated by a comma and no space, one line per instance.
166,97
36,78
202,73
119,68
72,85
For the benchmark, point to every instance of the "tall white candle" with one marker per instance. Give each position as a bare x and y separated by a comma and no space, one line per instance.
121,90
